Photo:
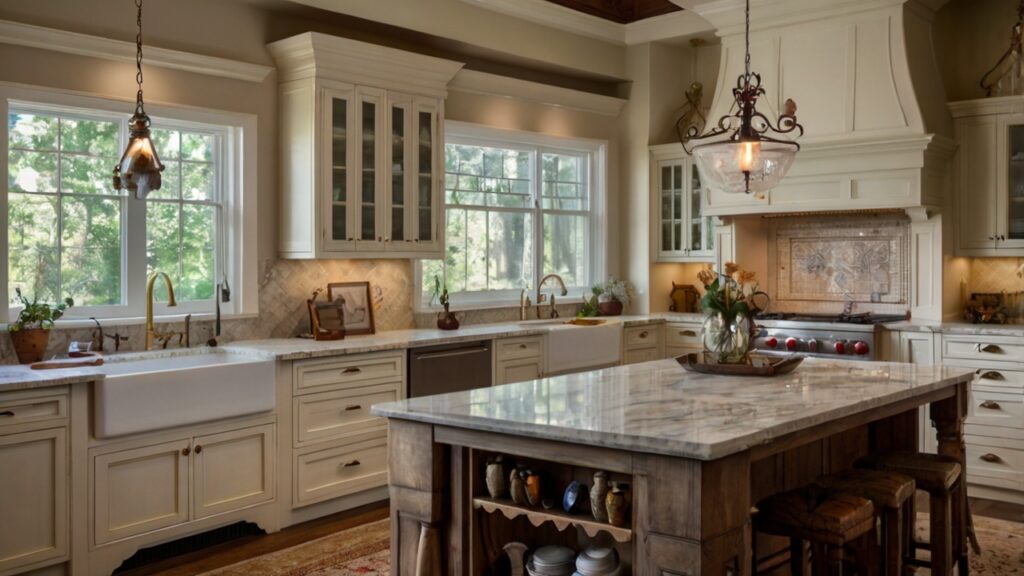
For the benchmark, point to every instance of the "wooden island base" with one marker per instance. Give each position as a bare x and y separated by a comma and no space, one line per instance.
689,516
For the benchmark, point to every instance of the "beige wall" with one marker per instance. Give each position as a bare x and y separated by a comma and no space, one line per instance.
970,36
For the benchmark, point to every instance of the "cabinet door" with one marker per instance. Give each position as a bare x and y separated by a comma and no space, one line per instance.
33,498
425,192
519,371
917,348
978,182
1010,209
671,188
701,231
400,180
370,217
232,470
140,490
641,355
338,212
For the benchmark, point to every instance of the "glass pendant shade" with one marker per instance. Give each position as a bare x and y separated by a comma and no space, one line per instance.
140,167
752,166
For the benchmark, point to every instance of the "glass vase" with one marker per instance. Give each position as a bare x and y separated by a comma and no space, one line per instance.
726,341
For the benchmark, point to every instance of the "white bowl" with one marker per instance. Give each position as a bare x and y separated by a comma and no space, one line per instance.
597,561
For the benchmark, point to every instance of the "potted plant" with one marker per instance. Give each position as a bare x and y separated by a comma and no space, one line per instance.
727,309
612,296
30,333
445,320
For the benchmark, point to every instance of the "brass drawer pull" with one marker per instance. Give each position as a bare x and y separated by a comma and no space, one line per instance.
991,375
351,370
988,348
990,457
7,413
185,451
990,404
353,407
351,464
643,334
522,346
690,333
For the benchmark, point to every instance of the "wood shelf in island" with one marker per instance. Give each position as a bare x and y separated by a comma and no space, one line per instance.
561,520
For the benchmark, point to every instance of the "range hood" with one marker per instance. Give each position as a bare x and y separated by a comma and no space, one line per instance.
867,86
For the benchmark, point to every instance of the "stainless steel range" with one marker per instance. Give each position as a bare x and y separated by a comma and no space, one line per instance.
850,336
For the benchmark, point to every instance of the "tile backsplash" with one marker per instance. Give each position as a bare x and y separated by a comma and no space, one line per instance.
994,275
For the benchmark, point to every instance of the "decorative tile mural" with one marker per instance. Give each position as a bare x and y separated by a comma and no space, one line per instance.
831,259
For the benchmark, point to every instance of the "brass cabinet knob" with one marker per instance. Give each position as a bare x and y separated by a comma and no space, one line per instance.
199,449
185,451
990,457
643,334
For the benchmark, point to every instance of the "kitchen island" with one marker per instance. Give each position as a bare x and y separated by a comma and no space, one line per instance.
697,452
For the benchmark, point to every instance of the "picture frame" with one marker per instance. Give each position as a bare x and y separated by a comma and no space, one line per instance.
326,320
357,305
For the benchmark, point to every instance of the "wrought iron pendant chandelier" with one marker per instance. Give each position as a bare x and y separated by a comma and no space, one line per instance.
140,167
744,152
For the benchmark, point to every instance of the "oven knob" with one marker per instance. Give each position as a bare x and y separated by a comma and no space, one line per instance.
840,348
771,341
860,348
791,344
812,345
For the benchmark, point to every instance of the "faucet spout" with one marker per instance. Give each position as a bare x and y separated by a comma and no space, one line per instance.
541,297
150,329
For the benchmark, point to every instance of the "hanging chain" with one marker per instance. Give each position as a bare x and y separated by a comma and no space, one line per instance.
138,59
746,62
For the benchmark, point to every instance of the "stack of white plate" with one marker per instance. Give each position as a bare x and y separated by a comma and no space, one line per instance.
595,561
552,561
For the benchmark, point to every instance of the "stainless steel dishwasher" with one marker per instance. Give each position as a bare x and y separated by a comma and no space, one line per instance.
449,368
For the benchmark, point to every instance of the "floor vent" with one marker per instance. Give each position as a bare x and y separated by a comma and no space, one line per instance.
189,544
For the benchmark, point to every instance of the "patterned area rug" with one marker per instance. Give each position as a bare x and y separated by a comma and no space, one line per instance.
364,551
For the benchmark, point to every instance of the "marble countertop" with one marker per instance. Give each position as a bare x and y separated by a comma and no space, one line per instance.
961,328
20,377
657,407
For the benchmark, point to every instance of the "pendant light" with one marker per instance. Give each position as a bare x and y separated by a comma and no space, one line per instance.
750,157
139,169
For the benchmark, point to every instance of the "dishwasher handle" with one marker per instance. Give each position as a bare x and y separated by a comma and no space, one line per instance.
451,353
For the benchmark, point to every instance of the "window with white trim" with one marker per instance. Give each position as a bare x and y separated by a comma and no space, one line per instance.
69,233
517,207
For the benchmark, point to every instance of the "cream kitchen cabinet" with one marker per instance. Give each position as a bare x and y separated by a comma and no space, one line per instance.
680,230
140,486
518,359
361,149
683,338
642,343
989,178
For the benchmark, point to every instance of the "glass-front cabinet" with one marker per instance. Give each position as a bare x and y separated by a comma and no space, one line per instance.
361,141
682,233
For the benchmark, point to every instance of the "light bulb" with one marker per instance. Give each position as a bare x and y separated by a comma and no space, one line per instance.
749,153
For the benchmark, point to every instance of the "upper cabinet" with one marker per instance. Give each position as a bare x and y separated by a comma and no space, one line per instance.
361,148
681,231
989,179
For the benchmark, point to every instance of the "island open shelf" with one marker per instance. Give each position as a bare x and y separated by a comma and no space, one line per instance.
558,518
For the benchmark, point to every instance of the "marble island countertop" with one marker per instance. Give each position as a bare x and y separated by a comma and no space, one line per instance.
659,408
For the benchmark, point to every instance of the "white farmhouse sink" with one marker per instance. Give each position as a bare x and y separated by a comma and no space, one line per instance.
144,394
572,348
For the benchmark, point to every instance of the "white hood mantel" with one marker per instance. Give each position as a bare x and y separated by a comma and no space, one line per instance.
867,87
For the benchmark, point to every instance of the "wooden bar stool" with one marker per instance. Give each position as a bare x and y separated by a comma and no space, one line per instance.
829,521
941,478
888,492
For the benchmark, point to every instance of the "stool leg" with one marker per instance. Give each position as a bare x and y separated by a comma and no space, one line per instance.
835,560
819,559
959,528
797,557
892,540
941,537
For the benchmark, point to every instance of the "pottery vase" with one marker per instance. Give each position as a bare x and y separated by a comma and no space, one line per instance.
494,478
533,489
516,552
30,344
598,494
447,320
517,486
609,308
618,503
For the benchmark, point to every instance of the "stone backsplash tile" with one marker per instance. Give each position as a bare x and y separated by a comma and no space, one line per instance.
994,275
492,315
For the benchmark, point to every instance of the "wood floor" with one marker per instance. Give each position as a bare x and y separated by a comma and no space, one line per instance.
241,549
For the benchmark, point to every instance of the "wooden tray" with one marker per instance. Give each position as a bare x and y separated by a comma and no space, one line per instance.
759,365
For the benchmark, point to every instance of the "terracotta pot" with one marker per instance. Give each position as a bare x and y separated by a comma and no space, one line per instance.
30,345
610,308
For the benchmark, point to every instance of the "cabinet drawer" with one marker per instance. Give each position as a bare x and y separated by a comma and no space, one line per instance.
32,408
994,465
341,413
637,356
986,348
641,336
325,474
995,409
362,370
683,335
514,348
677,351
518,371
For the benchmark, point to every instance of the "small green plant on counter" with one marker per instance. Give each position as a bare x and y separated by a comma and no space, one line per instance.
36,314
589,308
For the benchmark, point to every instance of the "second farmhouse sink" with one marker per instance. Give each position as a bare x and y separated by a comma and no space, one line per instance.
573,346
145,393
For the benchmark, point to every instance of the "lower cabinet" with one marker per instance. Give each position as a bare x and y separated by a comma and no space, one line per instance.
341,470
518,359
642,343
33,499
148,487
683,338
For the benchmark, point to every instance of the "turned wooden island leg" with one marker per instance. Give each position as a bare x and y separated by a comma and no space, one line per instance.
416,468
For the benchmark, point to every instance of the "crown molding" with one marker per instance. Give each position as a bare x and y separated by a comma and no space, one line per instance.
475,82
56,40
315,55
674,25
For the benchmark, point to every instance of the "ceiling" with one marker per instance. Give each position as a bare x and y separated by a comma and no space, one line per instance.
621,11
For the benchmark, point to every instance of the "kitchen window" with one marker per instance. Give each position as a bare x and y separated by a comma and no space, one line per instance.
517,207
69,233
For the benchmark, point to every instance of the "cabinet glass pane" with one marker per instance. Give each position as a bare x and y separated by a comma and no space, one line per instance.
369,182
1015,226
666,208
425,196
339,168
398,163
